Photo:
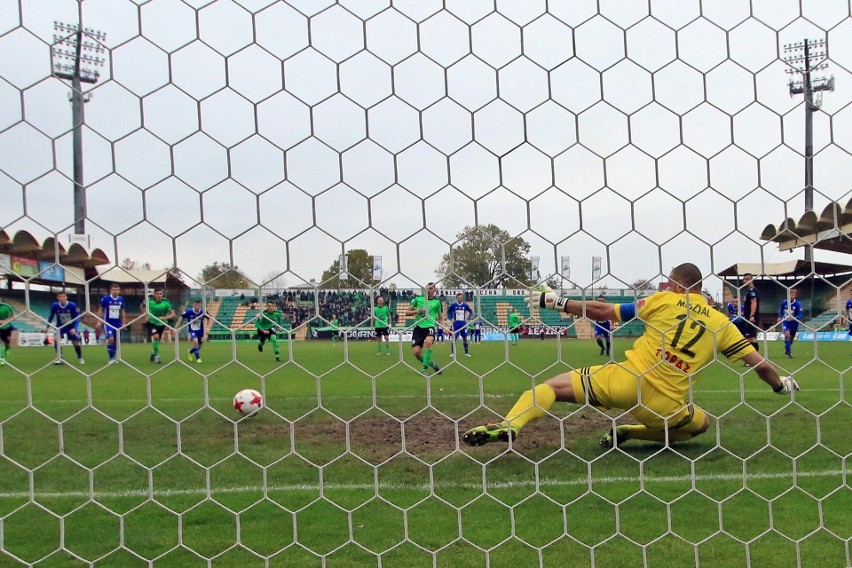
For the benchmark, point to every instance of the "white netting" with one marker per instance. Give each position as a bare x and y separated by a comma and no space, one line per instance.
317,153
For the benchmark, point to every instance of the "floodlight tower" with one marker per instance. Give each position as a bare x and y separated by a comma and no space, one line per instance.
77,54
804,58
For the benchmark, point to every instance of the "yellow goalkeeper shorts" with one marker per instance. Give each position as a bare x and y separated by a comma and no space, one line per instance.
614,386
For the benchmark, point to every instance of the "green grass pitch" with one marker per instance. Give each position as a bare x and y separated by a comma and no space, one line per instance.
356,459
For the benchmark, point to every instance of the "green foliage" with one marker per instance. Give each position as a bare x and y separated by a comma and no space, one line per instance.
359,264
486,257
128,263
223,275
644,284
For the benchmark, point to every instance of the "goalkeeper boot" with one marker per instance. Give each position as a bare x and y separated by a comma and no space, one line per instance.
609,441
482,435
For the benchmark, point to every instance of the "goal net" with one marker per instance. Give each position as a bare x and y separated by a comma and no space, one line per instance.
287,163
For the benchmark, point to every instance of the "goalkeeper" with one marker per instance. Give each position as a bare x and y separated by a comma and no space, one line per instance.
267,324
681,337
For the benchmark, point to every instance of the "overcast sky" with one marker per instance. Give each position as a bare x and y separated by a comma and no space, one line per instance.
278,134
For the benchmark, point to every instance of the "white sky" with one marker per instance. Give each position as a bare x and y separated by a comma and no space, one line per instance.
218,132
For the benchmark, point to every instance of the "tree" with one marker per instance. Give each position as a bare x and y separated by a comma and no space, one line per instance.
128,263
643,284
274,280
476,259
223,275
359,264
175,272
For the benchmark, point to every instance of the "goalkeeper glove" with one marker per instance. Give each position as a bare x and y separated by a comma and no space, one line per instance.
546,299
788,385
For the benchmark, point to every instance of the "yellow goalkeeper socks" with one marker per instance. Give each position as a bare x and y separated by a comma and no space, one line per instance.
532,405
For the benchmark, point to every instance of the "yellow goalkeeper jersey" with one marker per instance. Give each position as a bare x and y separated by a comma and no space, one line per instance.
682,335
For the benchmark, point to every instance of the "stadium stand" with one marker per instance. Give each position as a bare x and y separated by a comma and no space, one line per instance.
826,321
27,321
227,309
213,307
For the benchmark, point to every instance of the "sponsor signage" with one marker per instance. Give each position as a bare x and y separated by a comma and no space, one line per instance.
50,271
26,267
822,336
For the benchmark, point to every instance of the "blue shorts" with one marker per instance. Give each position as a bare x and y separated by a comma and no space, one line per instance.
110,330
461,330
70,332
196,334
790,326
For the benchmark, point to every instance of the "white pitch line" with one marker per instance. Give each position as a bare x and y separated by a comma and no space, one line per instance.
420,486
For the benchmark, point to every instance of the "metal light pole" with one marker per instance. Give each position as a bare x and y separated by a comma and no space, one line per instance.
77,53
800,57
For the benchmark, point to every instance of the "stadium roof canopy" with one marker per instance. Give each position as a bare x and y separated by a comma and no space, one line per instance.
139,277
25,245
790,268
831,230
134,276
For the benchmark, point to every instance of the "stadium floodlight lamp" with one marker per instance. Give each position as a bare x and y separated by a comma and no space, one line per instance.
77,54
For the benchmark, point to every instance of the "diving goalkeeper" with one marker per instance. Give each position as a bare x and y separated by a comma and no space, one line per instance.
681,337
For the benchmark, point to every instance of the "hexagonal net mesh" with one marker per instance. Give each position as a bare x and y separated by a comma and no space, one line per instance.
301,159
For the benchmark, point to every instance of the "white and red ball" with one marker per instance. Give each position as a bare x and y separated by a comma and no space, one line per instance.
248,401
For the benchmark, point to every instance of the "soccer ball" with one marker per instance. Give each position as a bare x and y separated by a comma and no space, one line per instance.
248,401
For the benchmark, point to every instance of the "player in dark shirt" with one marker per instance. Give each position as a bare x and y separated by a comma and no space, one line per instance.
751,309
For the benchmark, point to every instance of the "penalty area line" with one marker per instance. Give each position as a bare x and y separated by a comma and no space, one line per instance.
518,484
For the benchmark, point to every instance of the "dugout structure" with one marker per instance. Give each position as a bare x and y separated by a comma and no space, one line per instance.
822,287
610,140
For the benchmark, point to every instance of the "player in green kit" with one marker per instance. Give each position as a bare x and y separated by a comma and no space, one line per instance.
382,318
266,324
334,324
159,312
6,329
514,326
429,313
